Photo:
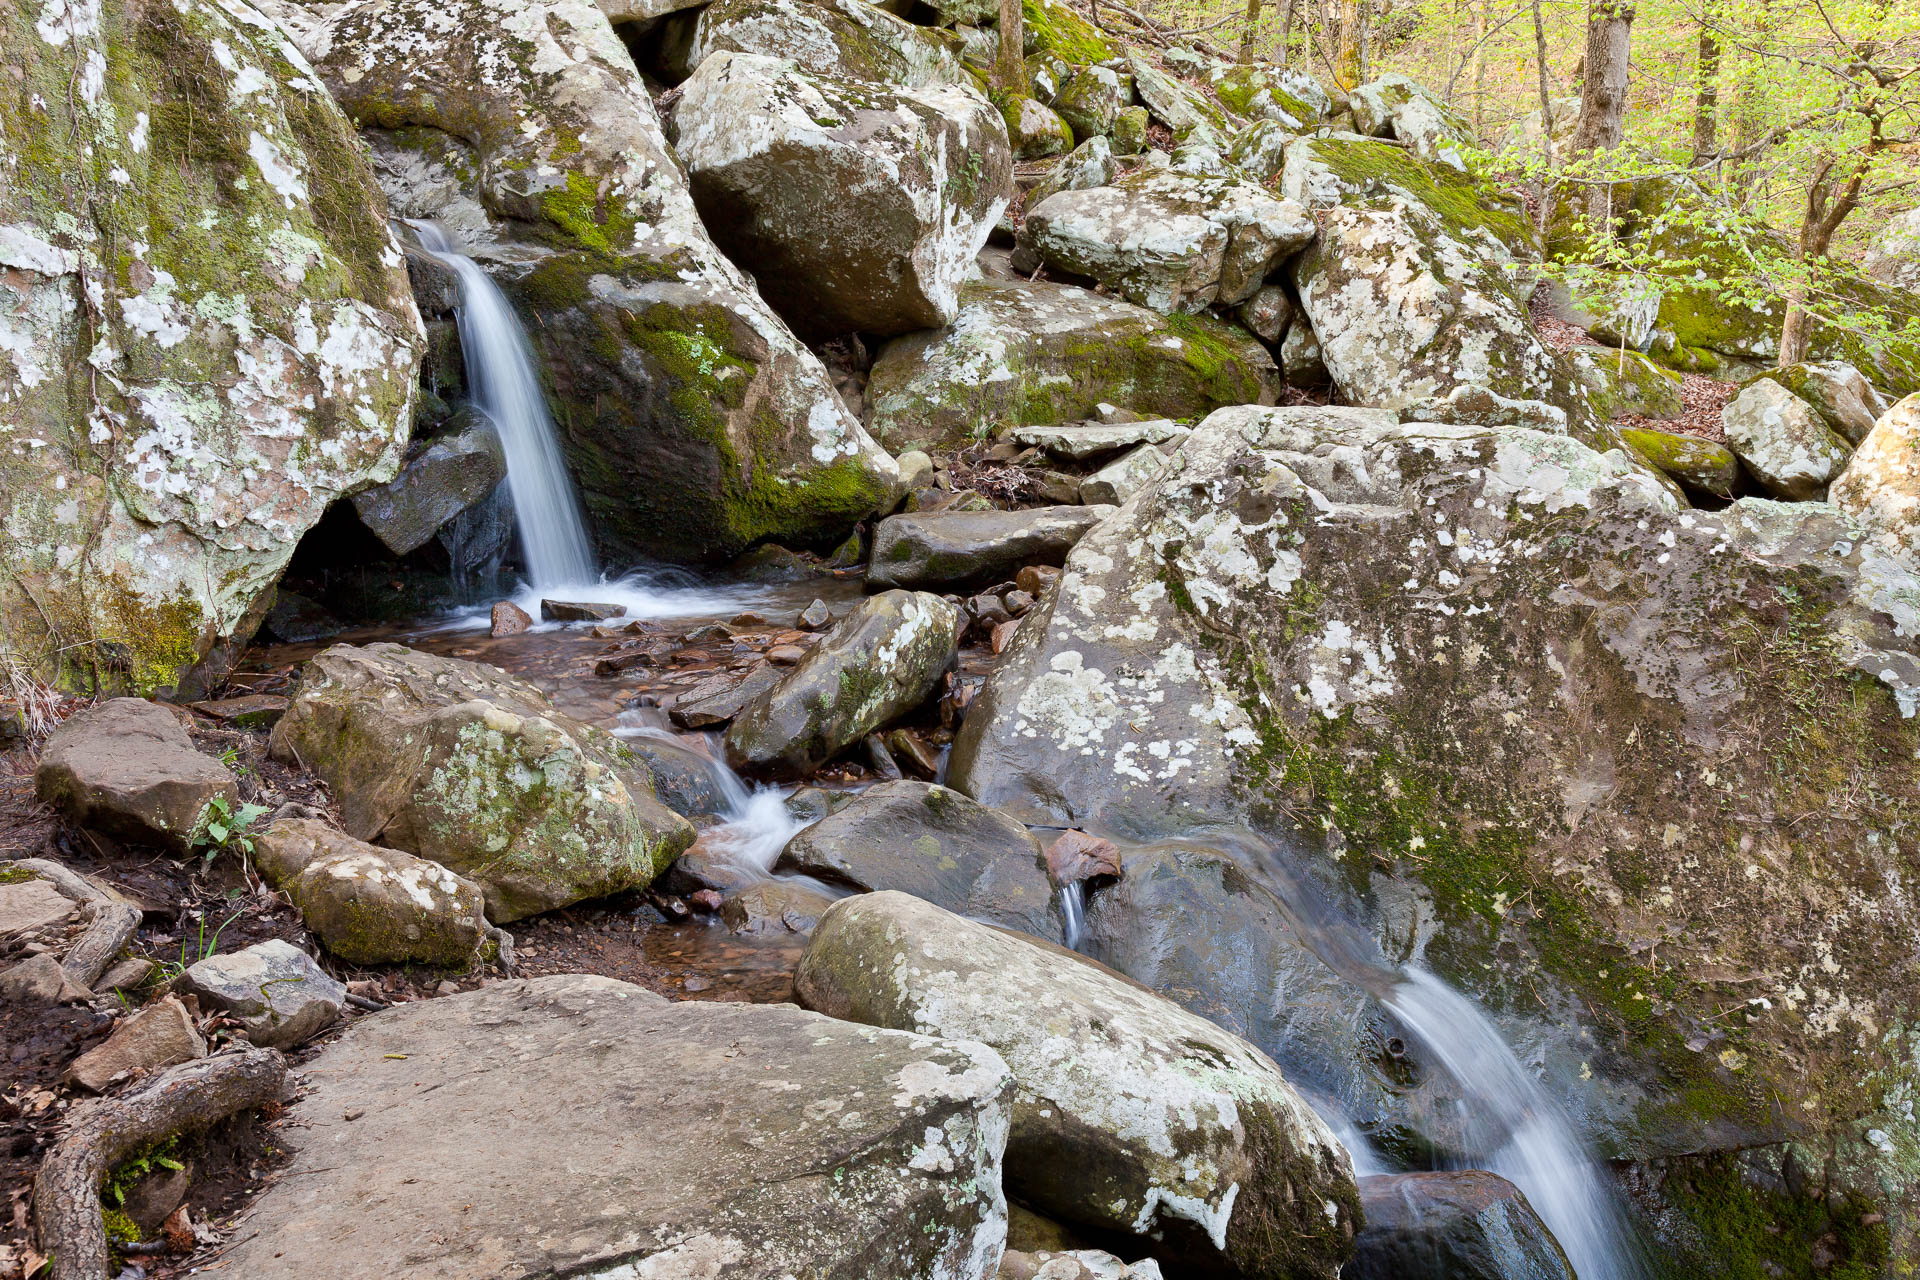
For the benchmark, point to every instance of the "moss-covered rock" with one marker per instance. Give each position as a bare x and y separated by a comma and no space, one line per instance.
1034,130
695,423
206,333
1092,98
848,39
1260,91
1054,28
1838,393
1021,354
1394,106
475,770
1700,465
1337,168
857,206
1191,114
1646,771
1624,383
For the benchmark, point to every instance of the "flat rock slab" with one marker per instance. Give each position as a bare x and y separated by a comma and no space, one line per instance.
973,548
1091,439
594,1128
127,767
31,906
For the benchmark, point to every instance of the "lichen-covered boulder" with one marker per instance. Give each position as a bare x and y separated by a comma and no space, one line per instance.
1787,446
1125,476
1395,105
1261,151
1179,106
273,990
1622,383
857,207
1090,164
938,845
1034,130
206,334
1092,98
474,769
525,128
960,549
1263,92
1880,486
1838,392
1410,316
370,905
127,768
1130,1114
1532,714
1021,353
848,39
1344,168
878,663
1170,241
442,478
1694,463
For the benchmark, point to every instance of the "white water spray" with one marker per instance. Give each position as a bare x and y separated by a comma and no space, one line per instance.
755,821
504,384
1073,913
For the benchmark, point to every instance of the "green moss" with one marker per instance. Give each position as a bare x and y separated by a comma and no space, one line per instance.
1064,33
16,875
1374,168
1754,1232
590,220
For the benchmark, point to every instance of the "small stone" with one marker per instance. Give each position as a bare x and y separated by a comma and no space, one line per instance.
156,1195
160,1035
785,655
815,617
911,748
579,611
509,619
447,987
709,634
987,612
1125,476
273,989
39,980
127,975
749,620
1077,856
251,711
1018,602
1036,578
705,901
31,906
775,907
1002,635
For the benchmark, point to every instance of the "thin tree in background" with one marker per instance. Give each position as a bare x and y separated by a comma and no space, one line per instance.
1479,66
1546,97
1281,54
1248,31
1706,93
1010,68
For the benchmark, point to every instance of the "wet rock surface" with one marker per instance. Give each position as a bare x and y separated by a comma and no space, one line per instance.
1473,1225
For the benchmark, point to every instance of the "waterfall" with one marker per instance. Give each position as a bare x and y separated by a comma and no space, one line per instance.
1073,913
503,383
755,823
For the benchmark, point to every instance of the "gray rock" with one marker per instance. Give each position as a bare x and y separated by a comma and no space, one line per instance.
370,905
938,845
1130,1114
33,908
974,548
713,710
280,997
686,781
847,39
1092,97
471,768
877,664
1267,313
1261,151
1125,476
1180,107
1170,241
1839,393
579,611
774,907
160,1035
1323,171
128,768
1880,487
298,620
1035,130
773,153
1467,1225
1079,441
39,980
1074,1264
1301,360
1395,105
438,482
730,1141
1784,442
1090,164
1037,352
1621,383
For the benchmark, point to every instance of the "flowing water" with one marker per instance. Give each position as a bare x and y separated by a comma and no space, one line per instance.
504,384
1073,913
755,823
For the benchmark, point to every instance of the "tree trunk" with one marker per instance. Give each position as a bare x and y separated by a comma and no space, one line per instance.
1603,94
1010,68
1282,52
1546,99
1479,64
1366,59
1247,32
1706,95
1347,69
1829,201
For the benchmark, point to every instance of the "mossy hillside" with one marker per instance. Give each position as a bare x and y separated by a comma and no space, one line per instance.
1374,170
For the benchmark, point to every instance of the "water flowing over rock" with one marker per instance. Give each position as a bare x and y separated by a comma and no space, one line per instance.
471,768
938,845
1024,353
206,334
1505,674
877,664
524,128
716,1140
1170,241
856,206
128,768
1129,1115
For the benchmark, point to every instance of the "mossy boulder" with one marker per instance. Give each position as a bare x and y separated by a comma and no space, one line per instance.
1092,97
1130,1114
1170,241
206,334
1838,392
1053,27
1261,91
1694,463
1088,165
1619,753
1344,168
1624,383
1034,130
1024,354
1189,112
1260,151
1394,106
847,39
370,905
474,769
857,206
694,422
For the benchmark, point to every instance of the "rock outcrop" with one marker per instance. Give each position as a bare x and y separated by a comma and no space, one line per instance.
471,768
206,335
1784,442
1880,486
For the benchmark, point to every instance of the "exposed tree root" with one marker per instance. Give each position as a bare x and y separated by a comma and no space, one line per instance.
112,920
66,1193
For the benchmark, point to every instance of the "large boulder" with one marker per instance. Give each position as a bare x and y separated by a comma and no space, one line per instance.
1783,441
1838,392
474,769
1880,486
1466,1225
1170,241
961,549
848,39
1262,92
1022,353
206,335
856,206
934,843
370,905
878,663
1130,1114
1395,105
1322,171
1091,98
442,478
1185,110
618,1134
1528,716
127,767
525,128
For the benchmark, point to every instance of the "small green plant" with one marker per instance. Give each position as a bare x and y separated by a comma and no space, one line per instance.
204,945
225,829
122,1179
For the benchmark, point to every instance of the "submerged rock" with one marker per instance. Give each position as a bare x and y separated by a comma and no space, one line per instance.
471,768
1022,353
748,1142
209,335
877,664
1451,666
128,768
1130,1114
1466,1225
936,844
526,130
973,548
856,206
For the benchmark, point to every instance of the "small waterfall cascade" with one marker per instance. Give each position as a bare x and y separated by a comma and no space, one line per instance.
1073,913
504,384
755,821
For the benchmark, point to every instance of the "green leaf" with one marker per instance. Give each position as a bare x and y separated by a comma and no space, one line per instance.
218,830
